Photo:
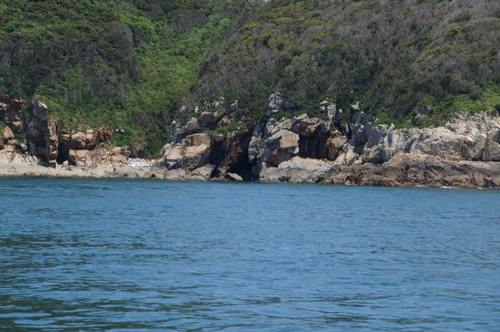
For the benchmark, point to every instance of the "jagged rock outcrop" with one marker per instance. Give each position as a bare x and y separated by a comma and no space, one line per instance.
275,142
323,150
224,145
48,142
52,143
89,139
11,113
470,138
37,128
274,104
193,154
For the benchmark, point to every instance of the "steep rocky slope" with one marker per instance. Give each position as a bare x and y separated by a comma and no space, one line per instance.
464,153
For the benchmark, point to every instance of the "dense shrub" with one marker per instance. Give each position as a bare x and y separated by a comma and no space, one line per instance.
388,55
132,64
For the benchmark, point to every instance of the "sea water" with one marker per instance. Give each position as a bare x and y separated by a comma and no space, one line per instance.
140,255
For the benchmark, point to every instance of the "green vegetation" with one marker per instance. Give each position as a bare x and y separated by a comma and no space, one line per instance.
390,57
132,64
123,64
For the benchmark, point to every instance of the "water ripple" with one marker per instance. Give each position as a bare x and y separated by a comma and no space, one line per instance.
131,255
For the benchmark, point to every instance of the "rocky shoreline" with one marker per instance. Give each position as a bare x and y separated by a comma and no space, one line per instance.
223,145
403,170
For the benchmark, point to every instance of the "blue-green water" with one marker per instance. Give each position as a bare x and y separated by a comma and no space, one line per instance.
124,255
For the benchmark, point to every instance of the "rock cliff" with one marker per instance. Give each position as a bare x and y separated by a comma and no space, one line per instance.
43,140
223,144
302,149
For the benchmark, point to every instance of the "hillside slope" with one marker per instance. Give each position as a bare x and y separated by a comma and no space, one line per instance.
134,64
390,55
123,64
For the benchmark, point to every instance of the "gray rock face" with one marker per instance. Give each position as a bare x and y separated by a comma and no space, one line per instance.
203,173
52,143
406,169
276,142
274,104
40,110
174,132
474,138
193,153
298,170
278,150
89,139
138,149
37,130
207,120
99,156
191,127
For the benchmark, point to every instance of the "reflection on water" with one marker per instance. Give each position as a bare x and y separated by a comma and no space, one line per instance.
94,255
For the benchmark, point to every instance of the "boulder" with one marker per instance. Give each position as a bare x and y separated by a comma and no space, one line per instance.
83,140
233,107
203,173
207,120
191,127
175,174
289,142
7,135
172,156
233,177
298,170
193,153
334,146
138,149
78,157
309,127
100,156
281,146
198,139
196,156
